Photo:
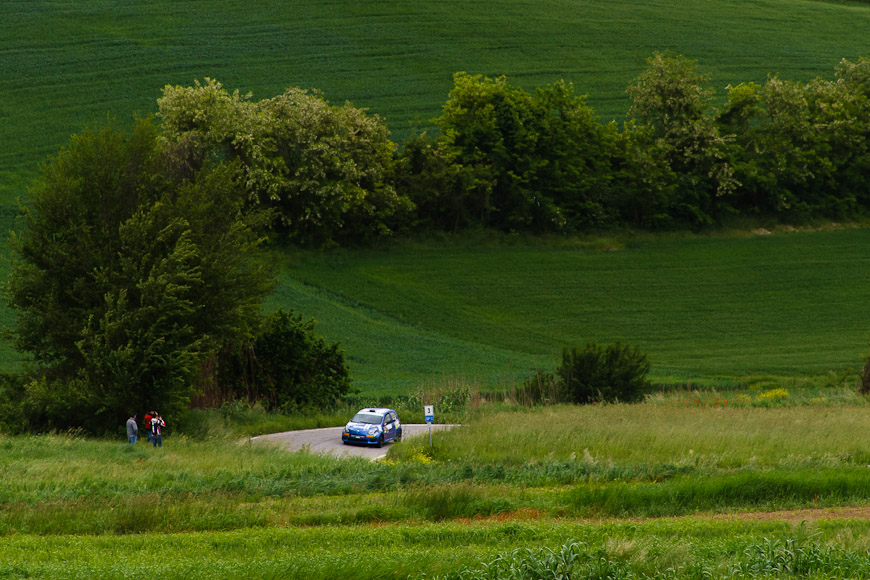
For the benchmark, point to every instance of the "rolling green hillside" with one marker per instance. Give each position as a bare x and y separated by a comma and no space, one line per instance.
66,63
704,307
788,304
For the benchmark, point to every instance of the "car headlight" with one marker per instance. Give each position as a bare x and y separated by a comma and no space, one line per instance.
373,431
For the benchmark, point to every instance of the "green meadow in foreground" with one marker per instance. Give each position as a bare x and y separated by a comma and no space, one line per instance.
508,491
667,549
68,64
721,308
678,459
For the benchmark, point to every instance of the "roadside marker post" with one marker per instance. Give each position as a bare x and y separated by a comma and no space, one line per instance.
429,413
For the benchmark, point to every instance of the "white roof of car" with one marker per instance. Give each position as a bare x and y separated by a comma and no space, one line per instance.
375,410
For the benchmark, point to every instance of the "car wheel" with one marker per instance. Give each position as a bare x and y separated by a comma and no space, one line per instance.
380,441
399,435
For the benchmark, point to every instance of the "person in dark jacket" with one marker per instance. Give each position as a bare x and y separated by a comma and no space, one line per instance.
132,430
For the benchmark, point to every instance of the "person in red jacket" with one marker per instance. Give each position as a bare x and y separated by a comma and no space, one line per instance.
147,423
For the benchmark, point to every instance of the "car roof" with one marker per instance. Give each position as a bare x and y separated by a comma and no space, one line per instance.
376,410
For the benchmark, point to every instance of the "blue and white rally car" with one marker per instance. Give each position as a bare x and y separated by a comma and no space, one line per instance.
373,427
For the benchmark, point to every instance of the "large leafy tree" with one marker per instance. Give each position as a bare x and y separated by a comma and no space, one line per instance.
125,276
813,138
674,116
539,162
802,149
324,169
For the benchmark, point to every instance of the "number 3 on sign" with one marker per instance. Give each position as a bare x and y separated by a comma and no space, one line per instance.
429,412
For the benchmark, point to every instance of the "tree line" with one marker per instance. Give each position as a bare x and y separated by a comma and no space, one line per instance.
139,267
507,159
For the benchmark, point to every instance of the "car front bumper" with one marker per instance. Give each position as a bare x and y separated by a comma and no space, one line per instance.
351,437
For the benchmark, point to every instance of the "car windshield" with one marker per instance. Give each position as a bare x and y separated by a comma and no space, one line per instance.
367,418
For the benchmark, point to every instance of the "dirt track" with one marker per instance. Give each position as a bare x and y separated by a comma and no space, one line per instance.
799,515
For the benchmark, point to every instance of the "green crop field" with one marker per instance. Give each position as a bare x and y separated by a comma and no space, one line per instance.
67,64
702,307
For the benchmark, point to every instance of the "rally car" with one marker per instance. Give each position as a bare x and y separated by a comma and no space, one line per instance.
373,426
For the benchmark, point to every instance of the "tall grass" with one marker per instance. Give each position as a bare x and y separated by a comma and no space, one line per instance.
695,437
616,460
670,549
793,557
740,491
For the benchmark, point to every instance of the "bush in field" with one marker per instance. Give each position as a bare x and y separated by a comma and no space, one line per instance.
286,365
864,386
542,388
614,373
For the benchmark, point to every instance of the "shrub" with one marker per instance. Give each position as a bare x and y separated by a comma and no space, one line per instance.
864,385
595,374
615,373
285,366
542,388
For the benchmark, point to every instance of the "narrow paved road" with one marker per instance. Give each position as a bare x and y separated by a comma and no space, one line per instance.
328,440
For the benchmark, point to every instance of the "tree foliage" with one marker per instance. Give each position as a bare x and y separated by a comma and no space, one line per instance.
537,162
285,364
324,170
669,99
125,277
519,161
805,147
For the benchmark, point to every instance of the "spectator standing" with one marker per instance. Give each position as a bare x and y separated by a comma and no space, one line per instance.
132,429
157,425
148,416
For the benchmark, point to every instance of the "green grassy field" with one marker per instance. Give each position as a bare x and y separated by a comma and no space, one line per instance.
220,508
765,311
67,64
665,550
703,308
784,309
